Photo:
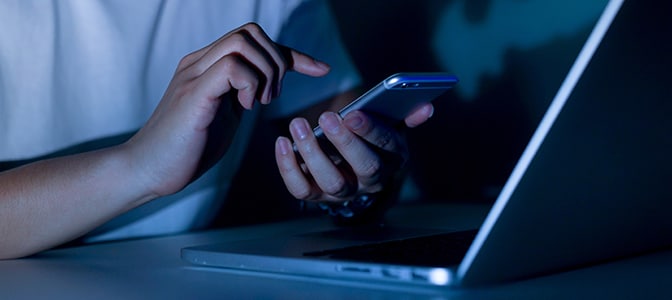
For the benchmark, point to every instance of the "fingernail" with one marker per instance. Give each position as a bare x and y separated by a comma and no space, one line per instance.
329,122
299,129
322,65
431,111
354,122
282,146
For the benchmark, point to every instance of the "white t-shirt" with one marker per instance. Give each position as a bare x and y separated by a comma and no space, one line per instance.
79,70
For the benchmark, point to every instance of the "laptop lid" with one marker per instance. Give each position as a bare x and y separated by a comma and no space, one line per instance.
591,185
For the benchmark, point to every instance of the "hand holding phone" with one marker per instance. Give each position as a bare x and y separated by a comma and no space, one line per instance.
395,97
399,94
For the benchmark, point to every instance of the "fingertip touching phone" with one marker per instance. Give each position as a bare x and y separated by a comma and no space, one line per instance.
398,95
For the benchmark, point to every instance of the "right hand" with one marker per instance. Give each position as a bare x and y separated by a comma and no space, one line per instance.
245,64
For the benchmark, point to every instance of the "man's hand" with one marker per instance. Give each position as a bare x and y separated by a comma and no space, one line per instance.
243,65
48,202
372,154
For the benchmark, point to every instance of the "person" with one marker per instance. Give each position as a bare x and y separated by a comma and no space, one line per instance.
103,137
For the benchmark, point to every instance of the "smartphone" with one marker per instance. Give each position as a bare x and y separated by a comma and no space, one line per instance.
398,95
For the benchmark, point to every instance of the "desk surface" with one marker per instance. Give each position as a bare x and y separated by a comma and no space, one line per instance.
152,268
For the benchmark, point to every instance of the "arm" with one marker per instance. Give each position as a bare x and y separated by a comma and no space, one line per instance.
52,201
49,202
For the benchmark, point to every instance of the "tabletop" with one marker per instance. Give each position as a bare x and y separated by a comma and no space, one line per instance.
151,268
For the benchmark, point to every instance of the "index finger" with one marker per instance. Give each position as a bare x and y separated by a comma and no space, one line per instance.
304,63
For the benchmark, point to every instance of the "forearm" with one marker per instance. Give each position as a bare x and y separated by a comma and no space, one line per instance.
49,202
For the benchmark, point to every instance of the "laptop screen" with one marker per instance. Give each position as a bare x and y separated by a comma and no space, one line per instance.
592,182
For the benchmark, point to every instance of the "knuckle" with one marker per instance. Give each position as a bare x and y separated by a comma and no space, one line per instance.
188,66
186,61
385,140
229,62
336,188
344,138
187,87
285,166
371,169
252,27
237,42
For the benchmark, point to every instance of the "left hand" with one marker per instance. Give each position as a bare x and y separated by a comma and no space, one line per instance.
371,153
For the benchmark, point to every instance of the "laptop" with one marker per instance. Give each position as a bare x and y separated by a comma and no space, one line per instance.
592,185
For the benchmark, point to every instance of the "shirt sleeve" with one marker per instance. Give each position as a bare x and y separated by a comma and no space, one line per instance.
312,29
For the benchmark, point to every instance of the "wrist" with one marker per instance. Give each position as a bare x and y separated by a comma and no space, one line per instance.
139,186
